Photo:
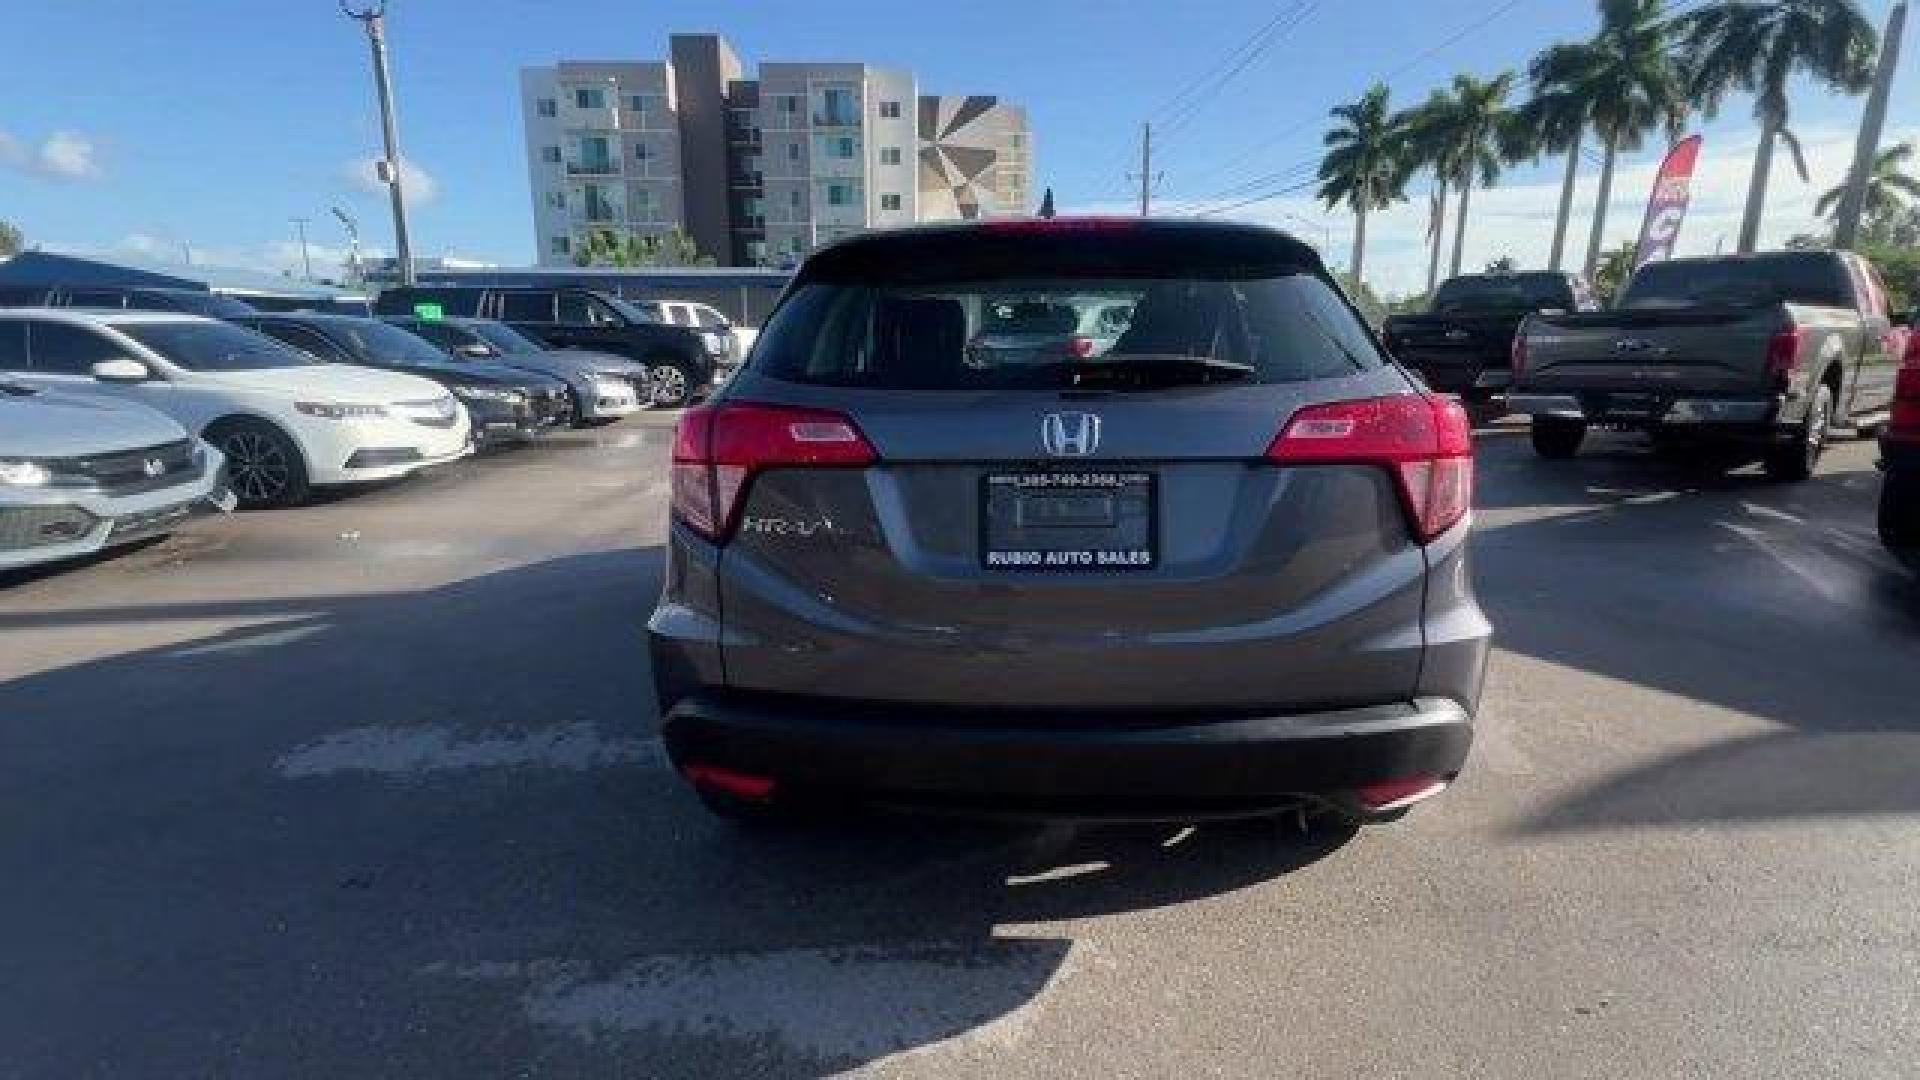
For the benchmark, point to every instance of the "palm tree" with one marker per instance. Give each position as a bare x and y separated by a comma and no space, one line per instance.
1365,167
1428,142
1554,121
1888,186
1481,130
1629,84
1756,46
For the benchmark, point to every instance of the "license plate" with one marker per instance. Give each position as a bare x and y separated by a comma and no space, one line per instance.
1065,521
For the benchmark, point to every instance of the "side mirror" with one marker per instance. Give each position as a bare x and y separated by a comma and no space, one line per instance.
121,370
475,350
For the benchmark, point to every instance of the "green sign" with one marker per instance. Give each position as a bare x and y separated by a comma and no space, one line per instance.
430,312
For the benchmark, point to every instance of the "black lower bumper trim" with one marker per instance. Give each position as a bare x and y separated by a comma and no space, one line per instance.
1138,765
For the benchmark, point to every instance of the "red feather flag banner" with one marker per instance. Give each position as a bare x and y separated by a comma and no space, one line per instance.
1667,207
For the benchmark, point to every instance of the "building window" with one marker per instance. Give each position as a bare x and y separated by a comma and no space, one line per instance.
889,202
550,155
889,110
546,106
562,246
789,103
638,103
795,199
589,97
557,200
839,194
640,152
837,108
793,151
889,155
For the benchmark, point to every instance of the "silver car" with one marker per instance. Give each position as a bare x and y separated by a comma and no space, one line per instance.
604,387
1219,570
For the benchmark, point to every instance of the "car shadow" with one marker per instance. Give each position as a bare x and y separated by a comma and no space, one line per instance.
1697,582
432,833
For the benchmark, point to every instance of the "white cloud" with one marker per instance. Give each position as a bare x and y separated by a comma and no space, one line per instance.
1517,219
416,183
280,257
63,155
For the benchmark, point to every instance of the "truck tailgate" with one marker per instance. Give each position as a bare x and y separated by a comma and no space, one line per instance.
1709,352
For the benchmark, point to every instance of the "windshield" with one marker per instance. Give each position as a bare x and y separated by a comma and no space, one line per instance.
505,339
1022,334
1794,279
377,342
1528,292
212,346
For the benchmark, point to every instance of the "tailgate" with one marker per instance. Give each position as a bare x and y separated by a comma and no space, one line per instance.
1706,352
1452,351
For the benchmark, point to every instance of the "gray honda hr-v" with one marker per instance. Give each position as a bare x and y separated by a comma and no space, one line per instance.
1217,569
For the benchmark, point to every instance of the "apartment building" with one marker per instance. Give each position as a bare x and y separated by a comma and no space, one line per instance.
757,171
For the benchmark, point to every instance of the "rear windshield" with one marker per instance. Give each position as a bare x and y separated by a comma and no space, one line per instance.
212,346
1525,292
1793,279
382,343
1046,333
505,339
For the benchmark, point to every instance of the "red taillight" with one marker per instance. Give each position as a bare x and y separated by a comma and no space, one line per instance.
1394,794
1425,442
1519,355
1783,352
747,786
1904,424
1079,347
718,449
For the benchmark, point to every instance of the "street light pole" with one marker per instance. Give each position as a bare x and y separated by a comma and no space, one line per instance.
306,264
373,17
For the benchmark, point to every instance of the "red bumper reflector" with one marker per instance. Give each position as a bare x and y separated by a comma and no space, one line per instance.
1393,794
737,784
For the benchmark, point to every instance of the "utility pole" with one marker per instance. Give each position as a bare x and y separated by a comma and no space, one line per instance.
306,264
1146,168
1846,231
373,17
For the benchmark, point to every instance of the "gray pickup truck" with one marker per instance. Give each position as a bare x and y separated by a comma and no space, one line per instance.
1772,351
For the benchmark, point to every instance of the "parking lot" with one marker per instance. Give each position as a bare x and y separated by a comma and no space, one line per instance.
370,788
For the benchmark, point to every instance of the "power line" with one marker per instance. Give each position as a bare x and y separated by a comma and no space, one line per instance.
1434,50
1279,31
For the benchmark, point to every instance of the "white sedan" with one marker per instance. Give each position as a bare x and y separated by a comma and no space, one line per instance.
284,421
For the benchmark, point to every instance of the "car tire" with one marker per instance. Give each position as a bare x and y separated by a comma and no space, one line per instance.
1795,460
672,383
265,468
1558,438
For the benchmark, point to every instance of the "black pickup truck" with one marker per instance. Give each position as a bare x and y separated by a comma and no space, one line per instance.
678,357
1772,351
1464,344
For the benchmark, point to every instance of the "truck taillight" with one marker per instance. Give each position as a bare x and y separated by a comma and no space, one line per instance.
1425,442
1783,353
718,449
1904,424
1519,354
1079,347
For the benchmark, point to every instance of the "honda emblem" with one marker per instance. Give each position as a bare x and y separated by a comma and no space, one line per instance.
153,466
1070,434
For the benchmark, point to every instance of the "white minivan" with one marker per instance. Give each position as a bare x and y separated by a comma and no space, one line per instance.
79,473
285,421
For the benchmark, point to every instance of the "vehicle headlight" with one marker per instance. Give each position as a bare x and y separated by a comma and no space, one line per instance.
489,393
714,342
339,410
18,472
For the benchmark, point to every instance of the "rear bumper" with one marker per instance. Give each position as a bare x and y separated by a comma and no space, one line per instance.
1731,416
1067,764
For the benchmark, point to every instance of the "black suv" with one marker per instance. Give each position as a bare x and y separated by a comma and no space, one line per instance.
681,365
138,297
505,403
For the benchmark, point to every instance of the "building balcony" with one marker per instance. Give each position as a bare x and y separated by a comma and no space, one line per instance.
747,180
593,168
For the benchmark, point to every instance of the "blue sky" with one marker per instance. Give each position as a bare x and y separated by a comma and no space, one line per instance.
135,126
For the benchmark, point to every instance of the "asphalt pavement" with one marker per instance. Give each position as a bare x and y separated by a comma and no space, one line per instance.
371,788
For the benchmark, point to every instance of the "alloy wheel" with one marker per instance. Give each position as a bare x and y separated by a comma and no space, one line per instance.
257,468
669,386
